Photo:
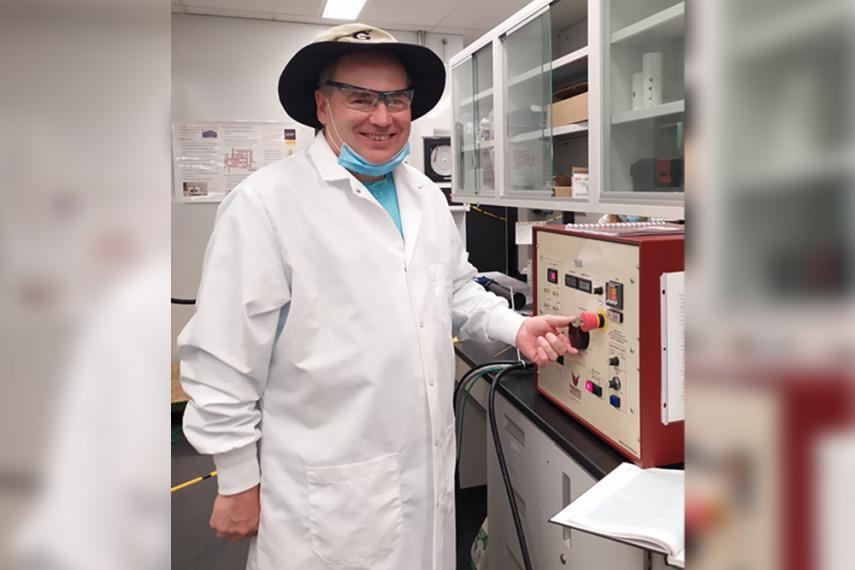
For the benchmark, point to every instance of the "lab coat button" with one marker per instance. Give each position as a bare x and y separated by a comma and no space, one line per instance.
430,381
421,324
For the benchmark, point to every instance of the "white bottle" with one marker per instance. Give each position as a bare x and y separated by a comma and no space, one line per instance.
651,69
637,91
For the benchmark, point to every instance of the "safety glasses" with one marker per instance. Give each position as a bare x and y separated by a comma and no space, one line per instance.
366,100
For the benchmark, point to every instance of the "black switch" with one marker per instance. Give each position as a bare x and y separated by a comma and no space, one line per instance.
598,290
614,361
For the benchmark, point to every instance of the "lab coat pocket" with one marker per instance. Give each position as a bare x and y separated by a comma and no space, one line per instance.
441,286
355,511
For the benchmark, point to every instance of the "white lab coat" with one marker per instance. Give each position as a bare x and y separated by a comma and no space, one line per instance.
320,364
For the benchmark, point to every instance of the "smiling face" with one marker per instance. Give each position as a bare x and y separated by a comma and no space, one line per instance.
376,135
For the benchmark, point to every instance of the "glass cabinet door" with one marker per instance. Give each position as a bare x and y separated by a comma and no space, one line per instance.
473,124
643,98
463,89
482,105
528,96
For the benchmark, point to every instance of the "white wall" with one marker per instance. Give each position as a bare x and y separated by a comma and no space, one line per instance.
228,69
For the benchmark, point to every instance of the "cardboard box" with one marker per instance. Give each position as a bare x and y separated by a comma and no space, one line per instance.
571,110
580,180
562,186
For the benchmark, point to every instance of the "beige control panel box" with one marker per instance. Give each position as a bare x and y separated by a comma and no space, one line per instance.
601,384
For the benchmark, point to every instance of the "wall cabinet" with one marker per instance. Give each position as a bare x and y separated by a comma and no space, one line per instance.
509,144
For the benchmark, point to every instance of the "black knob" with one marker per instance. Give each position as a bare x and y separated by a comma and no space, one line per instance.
614,383
614,361
598,290
578,338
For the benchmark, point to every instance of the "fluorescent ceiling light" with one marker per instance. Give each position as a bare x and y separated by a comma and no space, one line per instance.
343,9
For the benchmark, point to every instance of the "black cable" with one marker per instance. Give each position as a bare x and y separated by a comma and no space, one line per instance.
176,301
472,371
503,466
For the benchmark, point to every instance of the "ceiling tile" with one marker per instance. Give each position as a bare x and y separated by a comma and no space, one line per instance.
481,14
227,12
235,5
469,18
310,8
418,14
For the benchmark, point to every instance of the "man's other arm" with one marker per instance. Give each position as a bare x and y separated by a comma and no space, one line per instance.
226,351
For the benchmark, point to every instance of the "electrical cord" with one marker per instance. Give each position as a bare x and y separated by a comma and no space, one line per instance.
465,388
479,370
491,409
193,481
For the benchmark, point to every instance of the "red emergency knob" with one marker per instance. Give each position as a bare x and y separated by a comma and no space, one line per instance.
590,321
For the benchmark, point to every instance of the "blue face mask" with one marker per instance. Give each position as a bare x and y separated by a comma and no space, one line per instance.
349,159
631,218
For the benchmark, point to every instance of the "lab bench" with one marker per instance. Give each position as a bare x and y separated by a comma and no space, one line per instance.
552,460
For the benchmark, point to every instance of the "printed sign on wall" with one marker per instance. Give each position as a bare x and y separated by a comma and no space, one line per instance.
211,158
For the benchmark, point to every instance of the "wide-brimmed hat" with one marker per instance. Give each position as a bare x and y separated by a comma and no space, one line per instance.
299,79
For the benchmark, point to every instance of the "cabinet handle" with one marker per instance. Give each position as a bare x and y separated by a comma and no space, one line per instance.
520,505
565,500
516,432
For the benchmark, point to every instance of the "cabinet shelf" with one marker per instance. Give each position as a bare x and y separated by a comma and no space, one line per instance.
569,66
574,129
477,97
671,108
529,136
667,24
530,74
480,146
565,67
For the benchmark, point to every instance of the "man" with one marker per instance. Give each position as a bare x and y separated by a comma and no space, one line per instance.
320,360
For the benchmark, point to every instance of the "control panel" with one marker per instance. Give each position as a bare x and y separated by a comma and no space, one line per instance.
613,384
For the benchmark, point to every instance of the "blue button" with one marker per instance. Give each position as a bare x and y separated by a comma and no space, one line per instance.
614,401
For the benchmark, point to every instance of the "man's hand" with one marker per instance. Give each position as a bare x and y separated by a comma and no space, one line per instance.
235,517
540,340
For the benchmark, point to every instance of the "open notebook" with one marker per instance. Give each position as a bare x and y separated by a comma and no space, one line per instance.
643,507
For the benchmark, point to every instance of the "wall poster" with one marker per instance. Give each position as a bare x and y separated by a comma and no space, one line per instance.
210,158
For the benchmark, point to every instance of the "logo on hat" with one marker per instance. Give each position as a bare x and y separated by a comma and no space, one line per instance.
362,35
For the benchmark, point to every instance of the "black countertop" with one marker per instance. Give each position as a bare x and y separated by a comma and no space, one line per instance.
590,452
